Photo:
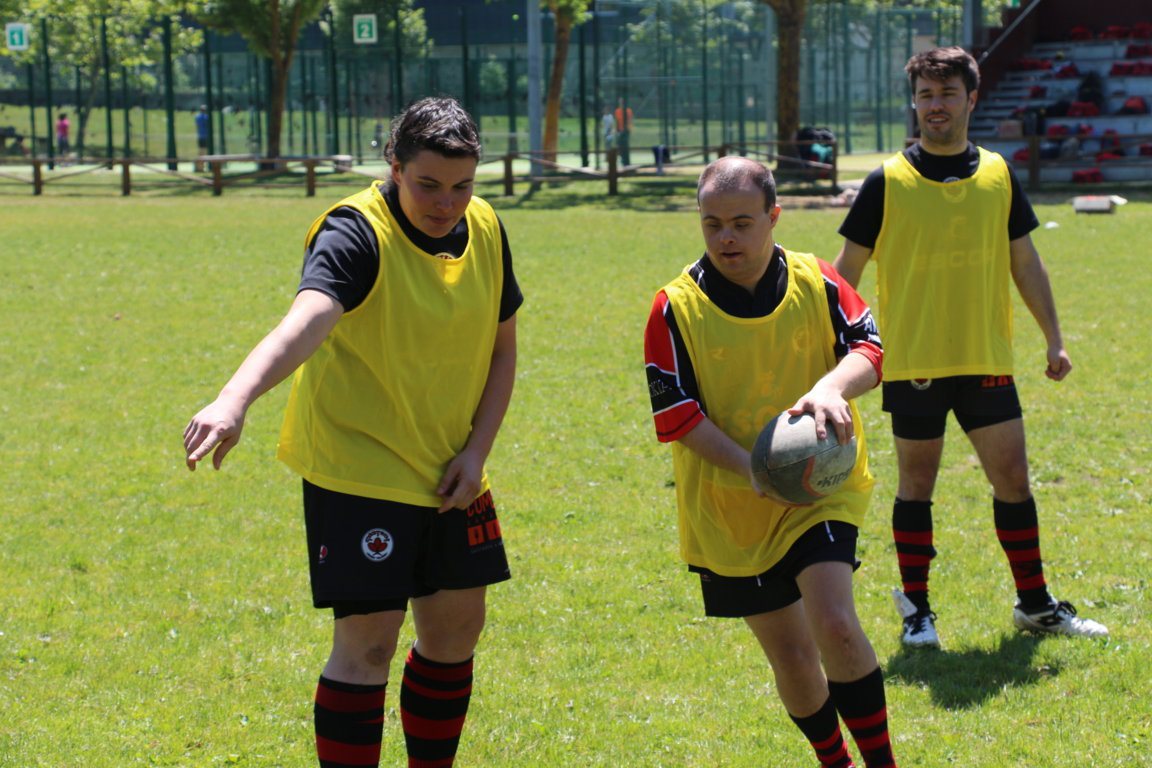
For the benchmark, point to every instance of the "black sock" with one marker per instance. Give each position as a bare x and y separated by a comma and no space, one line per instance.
912,532
433,704
1018,530
862,705
349,722
822,730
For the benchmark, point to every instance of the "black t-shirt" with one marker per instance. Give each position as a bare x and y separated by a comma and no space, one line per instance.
342,260
864,219
734,299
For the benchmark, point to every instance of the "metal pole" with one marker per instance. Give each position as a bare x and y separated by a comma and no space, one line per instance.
169,91
48,93
353,132
583,104
209,98
396,42
220,121
535,107
704,75
467,90
312,94
107,63
845,100
127,120
290,120
596,90
877,47
334,114
79,100
513,144
305,103
741,109
32,110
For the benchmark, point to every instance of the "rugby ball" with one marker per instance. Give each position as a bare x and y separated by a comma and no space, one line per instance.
793,466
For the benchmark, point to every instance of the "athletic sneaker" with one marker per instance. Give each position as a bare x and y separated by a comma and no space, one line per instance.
1058,619
919,625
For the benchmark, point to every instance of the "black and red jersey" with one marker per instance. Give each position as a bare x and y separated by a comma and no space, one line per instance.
677,406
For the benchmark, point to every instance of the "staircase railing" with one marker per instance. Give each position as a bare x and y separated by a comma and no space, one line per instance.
1009,45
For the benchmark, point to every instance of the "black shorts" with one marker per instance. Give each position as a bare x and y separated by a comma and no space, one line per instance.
776,588
202,143
368,555
920,407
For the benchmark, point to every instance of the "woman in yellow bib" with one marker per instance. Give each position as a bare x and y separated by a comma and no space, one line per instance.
402,339
748,331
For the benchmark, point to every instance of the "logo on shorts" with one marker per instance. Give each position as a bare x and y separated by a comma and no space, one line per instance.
921,384
377,544
323,553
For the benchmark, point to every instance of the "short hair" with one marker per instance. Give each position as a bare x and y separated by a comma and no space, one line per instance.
436,123
940,64
730,173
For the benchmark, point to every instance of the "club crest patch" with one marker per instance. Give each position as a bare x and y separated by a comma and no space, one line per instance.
376,544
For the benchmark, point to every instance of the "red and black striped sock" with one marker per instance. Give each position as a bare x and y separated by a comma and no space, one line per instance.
434,700
1018,530
822,730
912,532
349,722
863,707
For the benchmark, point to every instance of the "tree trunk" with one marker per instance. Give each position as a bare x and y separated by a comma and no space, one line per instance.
789,32
556,84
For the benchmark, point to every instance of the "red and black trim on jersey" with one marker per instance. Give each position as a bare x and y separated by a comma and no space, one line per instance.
677,406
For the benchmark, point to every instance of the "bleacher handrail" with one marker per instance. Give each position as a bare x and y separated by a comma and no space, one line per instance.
1007,33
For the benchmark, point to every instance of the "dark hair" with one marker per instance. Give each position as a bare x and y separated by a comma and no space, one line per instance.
940,64
438,124
730,173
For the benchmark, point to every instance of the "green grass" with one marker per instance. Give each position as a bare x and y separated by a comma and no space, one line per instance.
156,617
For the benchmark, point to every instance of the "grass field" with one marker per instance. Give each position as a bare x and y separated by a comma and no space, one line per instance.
154,617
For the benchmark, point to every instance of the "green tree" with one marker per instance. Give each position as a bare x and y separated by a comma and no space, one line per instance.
75,37
272,30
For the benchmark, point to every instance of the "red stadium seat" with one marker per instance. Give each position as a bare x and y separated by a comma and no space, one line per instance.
1083,109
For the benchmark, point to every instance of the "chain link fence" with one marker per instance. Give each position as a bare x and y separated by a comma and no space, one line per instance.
694,74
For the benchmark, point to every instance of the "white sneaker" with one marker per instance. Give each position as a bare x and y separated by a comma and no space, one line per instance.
1058,619
919,626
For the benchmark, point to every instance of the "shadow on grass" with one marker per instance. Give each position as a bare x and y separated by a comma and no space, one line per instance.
967,678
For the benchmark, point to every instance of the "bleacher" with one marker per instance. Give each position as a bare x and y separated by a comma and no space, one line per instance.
1075,110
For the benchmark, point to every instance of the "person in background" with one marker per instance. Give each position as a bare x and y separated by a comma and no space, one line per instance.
63,132
203,135
624,120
